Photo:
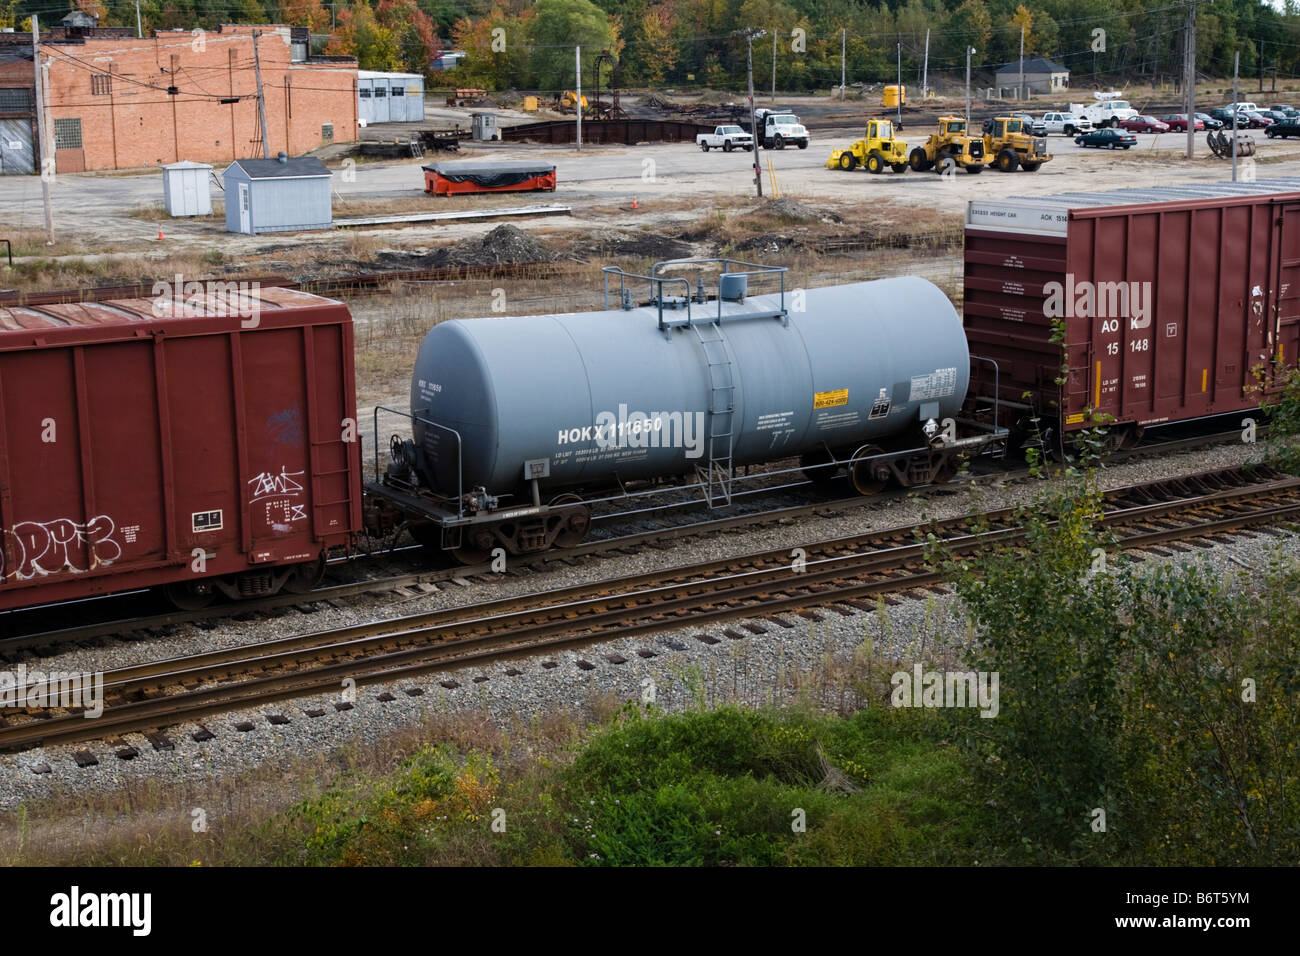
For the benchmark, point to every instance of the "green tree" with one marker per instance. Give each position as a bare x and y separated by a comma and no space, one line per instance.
558,27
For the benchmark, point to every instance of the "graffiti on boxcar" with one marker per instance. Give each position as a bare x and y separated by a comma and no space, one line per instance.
285,428
268,484
278,494
32,548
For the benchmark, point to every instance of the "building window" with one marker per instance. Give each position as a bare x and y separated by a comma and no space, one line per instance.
101,84
67,134
15,100
365,93
327,132
399,91
381,91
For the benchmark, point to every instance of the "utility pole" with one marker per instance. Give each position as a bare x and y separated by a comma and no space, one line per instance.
1236,65
843,49
1020,93
969,51
261,100
1190,81
750,37
774,38
925,69
139,30
899,123
1261,67
577,71
45,159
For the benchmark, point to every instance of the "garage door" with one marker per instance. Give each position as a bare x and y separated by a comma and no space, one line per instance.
17,158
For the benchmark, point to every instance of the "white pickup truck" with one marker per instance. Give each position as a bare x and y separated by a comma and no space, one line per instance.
1067,123
725,138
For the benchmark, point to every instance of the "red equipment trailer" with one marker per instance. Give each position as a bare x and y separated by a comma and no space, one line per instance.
1176,302
206,444
472,176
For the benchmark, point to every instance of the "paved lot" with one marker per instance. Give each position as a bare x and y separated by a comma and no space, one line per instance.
599,181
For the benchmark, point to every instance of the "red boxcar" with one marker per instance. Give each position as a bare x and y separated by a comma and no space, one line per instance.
1174,300
207,444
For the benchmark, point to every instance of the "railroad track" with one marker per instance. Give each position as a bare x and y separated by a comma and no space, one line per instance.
766,586
409,583
352,285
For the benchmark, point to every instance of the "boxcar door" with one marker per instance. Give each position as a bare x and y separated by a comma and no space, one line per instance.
1283,332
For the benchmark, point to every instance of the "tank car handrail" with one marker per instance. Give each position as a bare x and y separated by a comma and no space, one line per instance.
460,481
728,265
652,281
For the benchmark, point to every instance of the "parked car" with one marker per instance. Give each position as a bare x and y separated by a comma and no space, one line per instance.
725,138
1178,121
1144,124
1222,114
1067,123
1286,129
1107,139
1035,127
1277,116
1285,108
1209,121
1254,119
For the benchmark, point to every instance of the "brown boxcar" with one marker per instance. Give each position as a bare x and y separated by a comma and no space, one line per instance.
206,443
1173,301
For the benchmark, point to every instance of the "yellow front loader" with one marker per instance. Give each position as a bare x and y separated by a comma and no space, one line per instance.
878,149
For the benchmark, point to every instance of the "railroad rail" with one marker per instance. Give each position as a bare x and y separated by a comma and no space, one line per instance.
841,572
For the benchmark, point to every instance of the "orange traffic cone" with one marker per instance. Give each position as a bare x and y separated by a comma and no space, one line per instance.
160,234
633,202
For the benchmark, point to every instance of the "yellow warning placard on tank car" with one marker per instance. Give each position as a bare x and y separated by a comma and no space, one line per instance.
830,399
1075,419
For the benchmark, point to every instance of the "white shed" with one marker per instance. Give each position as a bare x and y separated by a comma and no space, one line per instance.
186,190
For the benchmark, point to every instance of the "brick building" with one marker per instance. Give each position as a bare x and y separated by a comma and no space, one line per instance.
118,102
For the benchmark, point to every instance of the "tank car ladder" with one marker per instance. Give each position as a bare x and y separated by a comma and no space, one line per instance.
722,393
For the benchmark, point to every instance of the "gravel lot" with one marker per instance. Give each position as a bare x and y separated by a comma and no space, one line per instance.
684,670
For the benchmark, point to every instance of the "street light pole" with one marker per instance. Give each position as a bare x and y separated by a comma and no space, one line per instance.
969,51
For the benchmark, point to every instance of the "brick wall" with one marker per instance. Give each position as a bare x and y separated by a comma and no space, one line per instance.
118,88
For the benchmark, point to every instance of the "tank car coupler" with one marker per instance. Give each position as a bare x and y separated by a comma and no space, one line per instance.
478,499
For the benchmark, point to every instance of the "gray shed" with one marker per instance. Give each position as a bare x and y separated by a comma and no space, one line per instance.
277,195
185,189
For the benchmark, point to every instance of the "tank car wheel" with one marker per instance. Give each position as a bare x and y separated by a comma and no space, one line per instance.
190,595
476,547
819,468
868,478
576,525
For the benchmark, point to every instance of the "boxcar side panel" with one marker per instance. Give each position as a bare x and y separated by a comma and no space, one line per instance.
128,448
